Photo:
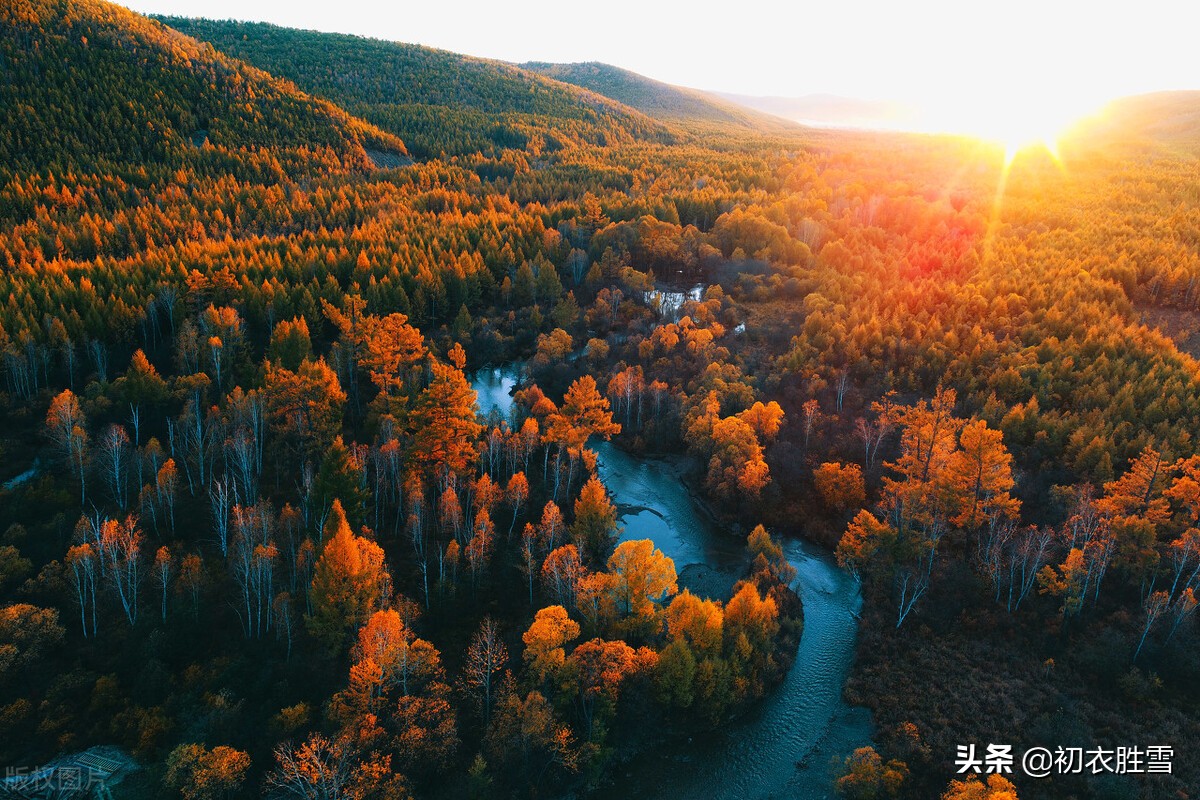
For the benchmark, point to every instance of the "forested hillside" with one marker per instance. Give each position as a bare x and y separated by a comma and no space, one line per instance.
257,531
90,85
441,103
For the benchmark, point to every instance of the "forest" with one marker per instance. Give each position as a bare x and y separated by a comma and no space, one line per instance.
258,531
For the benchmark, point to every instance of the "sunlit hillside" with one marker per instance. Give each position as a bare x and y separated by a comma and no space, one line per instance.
1167,118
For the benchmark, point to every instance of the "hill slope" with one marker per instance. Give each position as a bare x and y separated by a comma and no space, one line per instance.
654,98
437,101
87,83
1164,118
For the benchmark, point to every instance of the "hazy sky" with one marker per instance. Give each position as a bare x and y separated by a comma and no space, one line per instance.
958,60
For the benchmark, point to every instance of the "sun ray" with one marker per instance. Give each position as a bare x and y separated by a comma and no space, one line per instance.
997,203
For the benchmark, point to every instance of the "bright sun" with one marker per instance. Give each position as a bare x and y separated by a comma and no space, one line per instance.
1014,120
1018,134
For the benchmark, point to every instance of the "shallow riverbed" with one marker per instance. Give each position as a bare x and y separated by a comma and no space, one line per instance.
784,747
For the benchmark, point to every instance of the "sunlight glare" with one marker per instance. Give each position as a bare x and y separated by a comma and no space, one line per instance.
1015,118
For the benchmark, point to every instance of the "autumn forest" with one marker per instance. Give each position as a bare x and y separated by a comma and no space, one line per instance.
262,536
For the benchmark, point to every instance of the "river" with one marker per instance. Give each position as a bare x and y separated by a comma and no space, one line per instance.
784,747
26,476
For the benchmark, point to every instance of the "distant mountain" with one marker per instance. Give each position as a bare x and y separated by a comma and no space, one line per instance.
1171,118
437,101
86,83
659,100
828,109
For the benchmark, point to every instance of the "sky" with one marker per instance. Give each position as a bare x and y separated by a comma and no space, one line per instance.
960,63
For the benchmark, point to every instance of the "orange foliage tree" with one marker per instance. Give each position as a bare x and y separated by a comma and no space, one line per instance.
348,583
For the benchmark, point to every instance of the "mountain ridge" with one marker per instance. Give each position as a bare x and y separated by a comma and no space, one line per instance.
423,94
657,99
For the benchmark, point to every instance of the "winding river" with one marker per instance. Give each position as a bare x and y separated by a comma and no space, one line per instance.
785,746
